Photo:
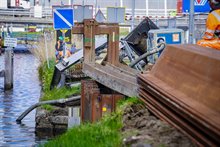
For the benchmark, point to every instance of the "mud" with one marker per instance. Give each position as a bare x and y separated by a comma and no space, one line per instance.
141,128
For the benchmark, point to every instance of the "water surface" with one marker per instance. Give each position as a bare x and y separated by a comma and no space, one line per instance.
25,93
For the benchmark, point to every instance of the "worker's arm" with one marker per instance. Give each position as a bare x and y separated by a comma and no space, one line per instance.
58,45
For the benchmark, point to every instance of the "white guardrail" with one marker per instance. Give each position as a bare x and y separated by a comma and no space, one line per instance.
139,13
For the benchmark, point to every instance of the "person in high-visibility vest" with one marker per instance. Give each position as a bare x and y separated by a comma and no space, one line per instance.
60,47
211,37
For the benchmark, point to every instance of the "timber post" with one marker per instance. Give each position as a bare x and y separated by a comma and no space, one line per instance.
8,81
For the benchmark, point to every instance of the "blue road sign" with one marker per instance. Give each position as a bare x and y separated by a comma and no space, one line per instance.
200,6
63,18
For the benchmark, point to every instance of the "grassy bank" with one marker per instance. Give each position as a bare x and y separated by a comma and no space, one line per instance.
105,133
45,75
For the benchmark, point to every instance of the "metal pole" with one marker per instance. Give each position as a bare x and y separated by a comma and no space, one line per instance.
95,6
121,3
133,7
147,9
45,39
165,8
83,5
191,22
72,3
64,44
8,82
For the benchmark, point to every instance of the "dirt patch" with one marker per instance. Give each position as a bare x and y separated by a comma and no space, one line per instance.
141,128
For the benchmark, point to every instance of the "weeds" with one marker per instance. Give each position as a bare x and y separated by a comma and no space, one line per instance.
105,133
60,93
39,48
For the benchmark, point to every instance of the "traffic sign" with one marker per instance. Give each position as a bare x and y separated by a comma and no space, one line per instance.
63,18
38,11
83,12
99,17
116,14
200,6
10,42
67,34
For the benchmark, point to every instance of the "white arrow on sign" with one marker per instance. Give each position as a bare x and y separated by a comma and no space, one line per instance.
64,19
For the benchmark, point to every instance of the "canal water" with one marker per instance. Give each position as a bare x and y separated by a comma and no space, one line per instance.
25,93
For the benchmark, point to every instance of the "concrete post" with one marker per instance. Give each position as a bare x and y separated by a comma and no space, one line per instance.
8,82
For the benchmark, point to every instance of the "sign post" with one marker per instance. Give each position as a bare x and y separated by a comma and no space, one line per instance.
10,43
63,19
45,41
191,24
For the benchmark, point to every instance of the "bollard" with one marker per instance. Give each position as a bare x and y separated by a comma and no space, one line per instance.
73,116
8,82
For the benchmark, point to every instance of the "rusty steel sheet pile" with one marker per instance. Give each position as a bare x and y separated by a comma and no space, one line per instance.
183,88
97,101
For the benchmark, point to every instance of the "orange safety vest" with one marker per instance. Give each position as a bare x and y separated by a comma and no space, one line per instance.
212,27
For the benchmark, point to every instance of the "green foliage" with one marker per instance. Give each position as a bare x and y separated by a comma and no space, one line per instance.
124,31
102,134
49,29
105,133
60,93
46,74
48,107
129,101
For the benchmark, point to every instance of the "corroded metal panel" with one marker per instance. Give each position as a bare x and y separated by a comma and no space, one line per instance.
95,103
185,80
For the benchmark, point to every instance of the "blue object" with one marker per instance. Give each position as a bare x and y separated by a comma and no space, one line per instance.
169,36
73,48
200,6
63,18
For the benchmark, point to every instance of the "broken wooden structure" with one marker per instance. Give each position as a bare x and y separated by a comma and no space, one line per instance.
110,73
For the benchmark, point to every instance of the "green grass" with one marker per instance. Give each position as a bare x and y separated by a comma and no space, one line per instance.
60,93
105,133
49,108
124,31
45,75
